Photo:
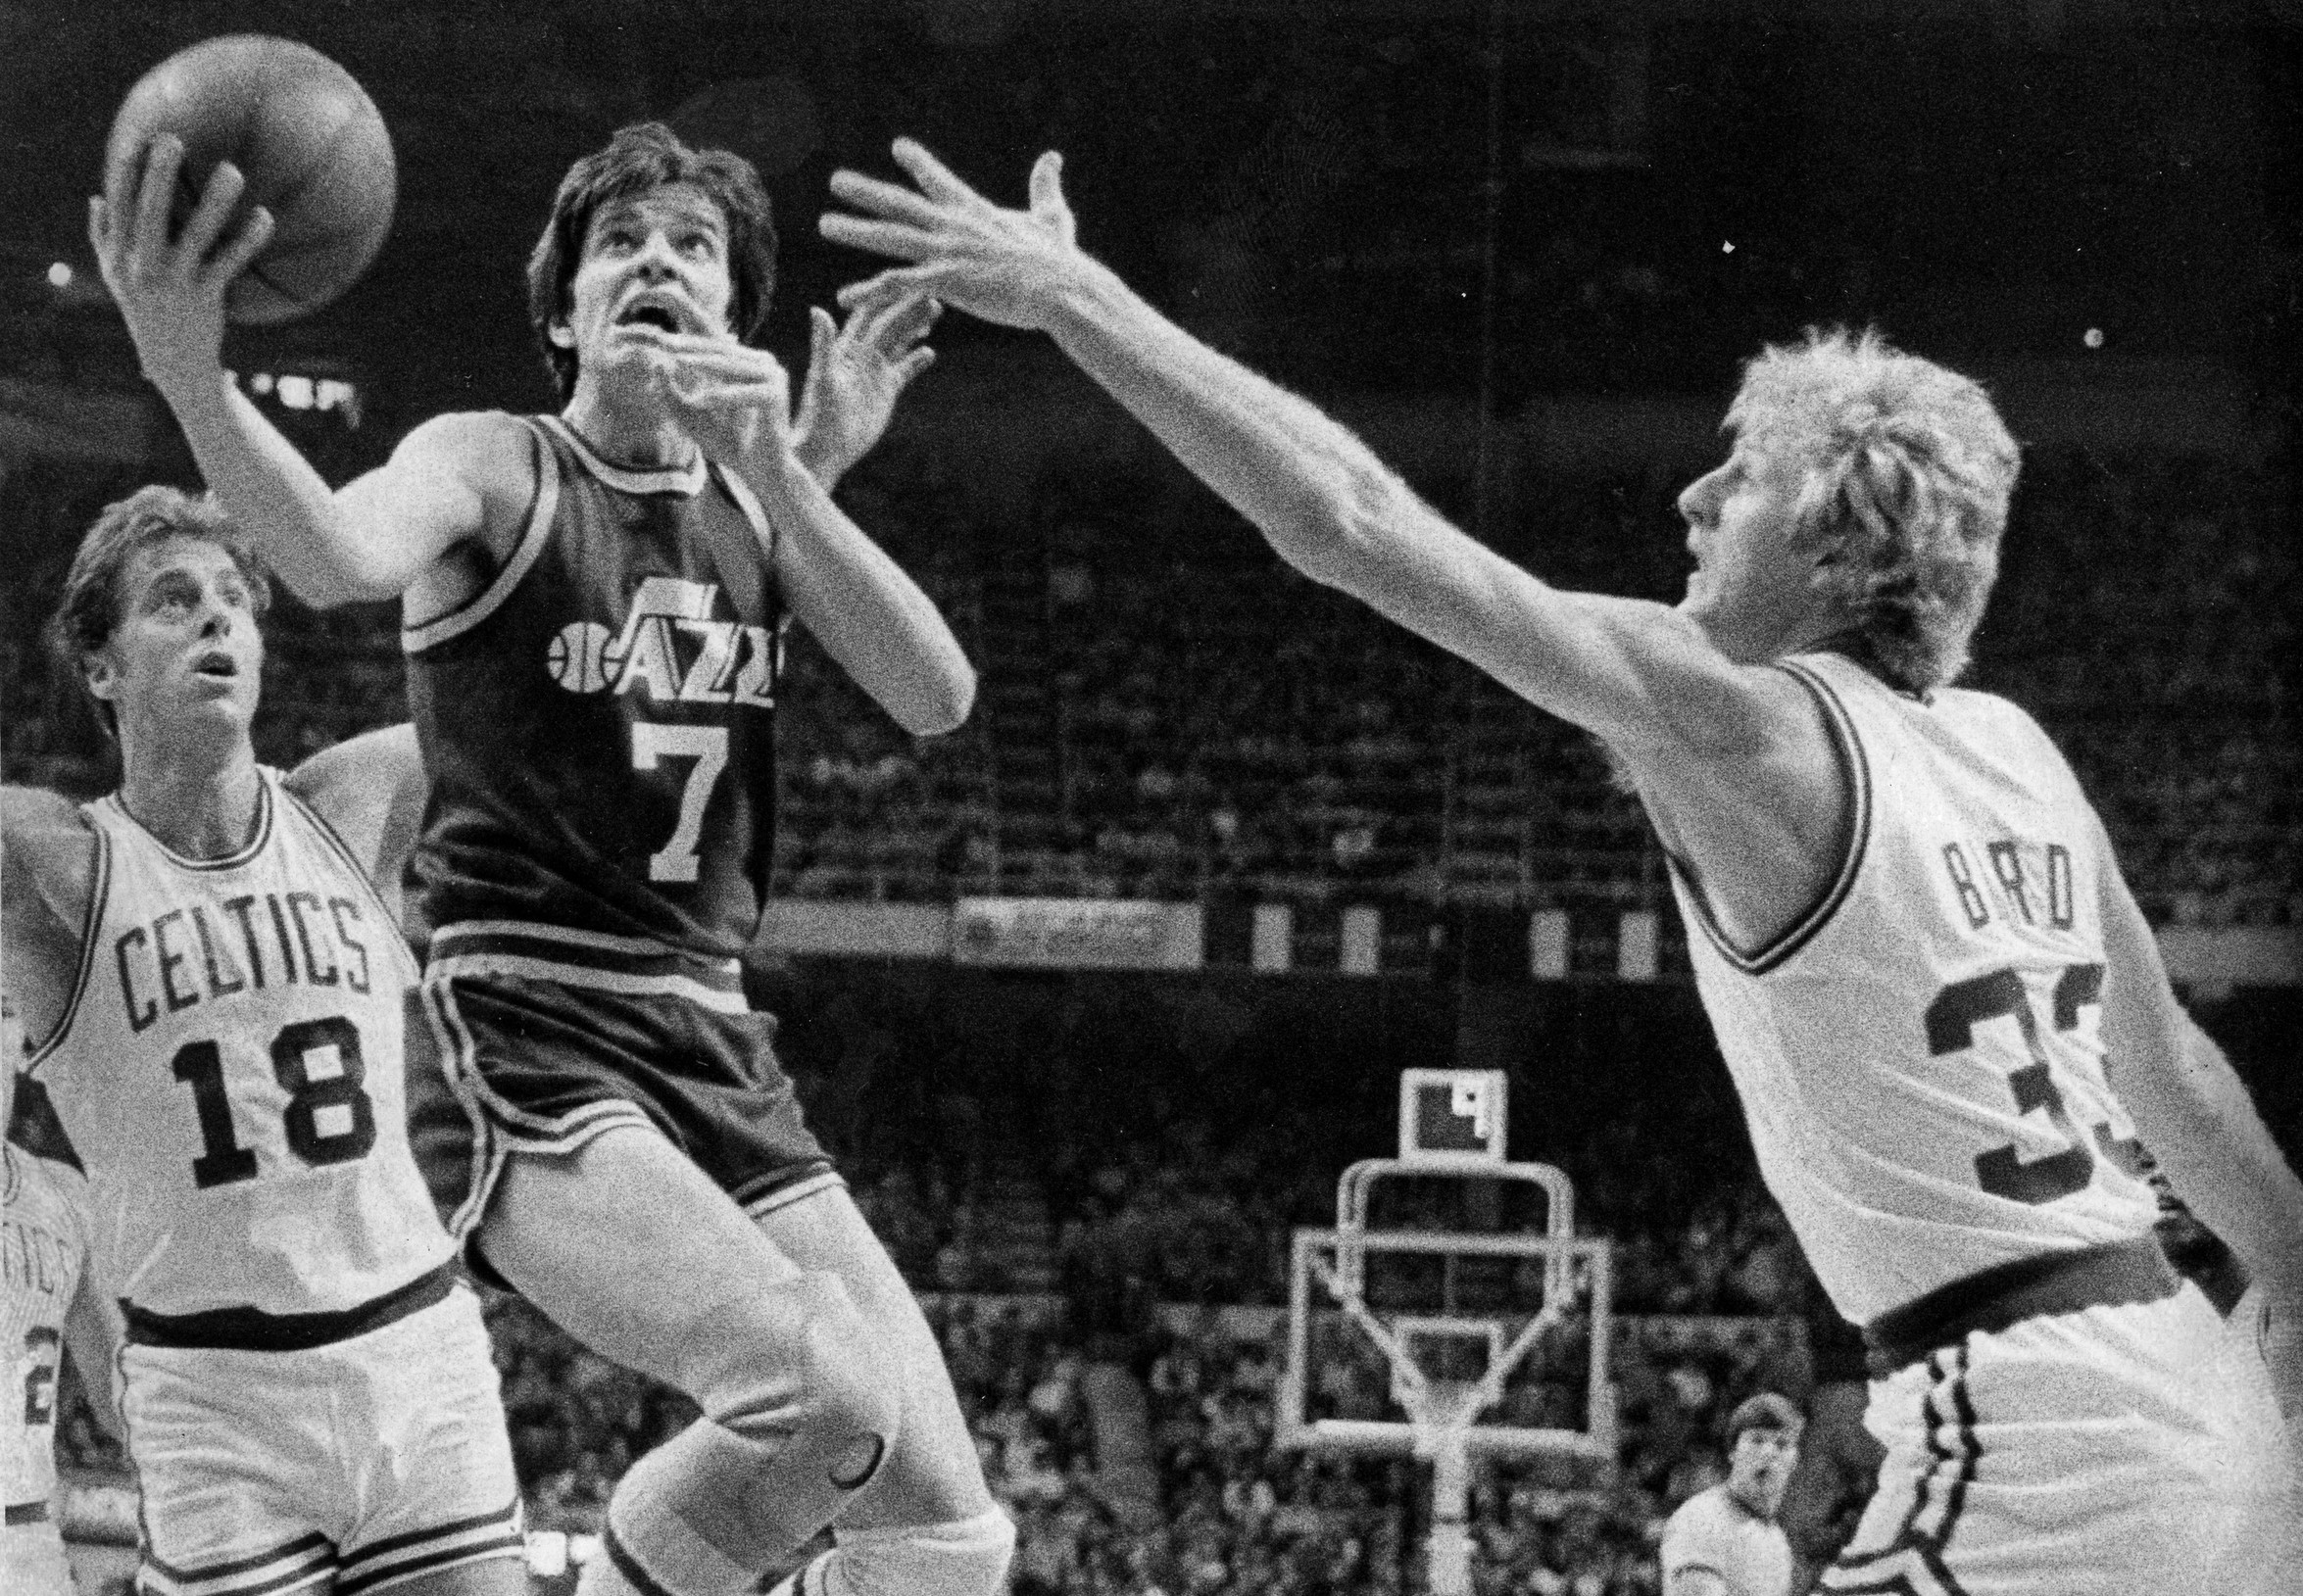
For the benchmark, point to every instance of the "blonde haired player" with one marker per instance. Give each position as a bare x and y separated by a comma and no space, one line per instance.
47,1300
215,996
1945,1016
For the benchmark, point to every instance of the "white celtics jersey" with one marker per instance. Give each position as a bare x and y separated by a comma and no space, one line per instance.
230,1073
1919,1056
44,1251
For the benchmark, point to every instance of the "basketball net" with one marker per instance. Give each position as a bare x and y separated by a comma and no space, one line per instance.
1442,1413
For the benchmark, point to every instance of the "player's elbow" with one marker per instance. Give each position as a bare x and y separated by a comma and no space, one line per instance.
1344,528
942,703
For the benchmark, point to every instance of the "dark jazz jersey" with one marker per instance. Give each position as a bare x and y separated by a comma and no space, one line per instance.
599,721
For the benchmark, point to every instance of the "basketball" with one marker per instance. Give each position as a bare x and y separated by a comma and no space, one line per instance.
309,140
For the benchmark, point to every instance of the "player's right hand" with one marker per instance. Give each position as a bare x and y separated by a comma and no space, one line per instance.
171,291
1012,267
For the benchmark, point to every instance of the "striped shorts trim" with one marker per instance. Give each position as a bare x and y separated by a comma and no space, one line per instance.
501,1128
1912,1562
585,958
381,1564
786,1192
292,1564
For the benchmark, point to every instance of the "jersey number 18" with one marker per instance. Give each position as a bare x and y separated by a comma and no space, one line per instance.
329,1118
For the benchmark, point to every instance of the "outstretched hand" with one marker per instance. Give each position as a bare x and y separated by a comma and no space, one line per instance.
856,373
171,290
1011,267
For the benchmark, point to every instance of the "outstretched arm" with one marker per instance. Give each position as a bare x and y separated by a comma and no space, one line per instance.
369,542
1638,674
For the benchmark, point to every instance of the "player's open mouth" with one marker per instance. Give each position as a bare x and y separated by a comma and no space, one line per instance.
216,666
653,313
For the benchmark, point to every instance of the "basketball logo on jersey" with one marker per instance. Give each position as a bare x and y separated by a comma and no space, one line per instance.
671,647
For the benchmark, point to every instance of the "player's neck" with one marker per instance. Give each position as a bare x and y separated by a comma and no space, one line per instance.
1757,1509
640,437
199,806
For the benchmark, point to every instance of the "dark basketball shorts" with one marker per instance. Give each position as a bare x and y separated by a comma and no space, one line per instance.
548,1038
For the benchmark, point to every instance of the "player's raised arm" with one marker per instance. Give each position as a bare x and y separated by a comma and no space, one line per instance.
371,542
47,875
370,790
1634,672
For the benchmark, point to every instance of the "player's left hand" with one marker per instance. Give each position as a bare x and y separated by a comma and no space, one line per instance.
856,373
735,400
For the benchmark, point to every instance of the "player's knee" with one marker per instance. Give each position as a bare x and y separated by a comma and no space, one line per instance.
814,1372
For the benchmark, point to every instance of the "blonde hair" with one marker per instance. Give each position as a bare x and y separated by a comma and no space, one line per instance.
93,602
1904,465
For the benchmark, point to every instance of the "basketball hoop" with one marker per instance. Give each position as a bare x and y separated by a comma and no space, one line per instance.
1449,1360
1442,1413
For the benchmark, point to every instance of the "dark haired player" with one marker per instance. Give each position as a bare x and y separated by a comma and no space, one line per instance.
1725,1541
215,992
593,604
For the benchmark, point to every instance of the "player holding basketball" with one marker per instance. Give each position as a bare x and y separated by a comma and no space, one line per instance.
1725,1541
594,604
1922,966
215,996
47,1299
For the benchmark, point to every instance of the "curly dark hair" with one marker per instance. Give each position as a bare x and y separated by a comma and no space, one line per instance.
641,157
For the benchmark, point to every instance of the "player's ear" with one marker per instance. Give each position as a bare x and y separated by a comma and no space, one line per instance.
100,674
1831,555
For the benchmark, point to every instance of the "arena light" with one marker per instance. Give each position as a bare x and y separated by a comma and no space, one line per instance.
59,274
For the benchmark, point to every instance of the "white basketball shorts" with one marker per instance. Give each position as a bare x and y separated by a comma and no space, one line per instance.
352,1466
31,1558
2094,1453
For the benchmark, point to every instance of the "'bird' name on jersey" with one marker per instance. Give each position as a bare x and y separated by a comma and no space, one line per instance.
2033,881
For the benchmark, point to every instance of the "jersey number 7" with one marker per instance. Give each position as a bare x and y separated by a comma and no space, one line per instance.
708,746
